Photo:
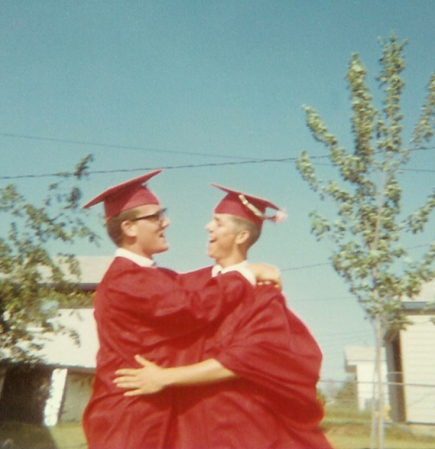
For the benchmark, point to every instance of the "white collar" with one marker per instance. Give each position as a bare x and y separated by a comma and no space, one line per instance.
217,269
240,267
142,261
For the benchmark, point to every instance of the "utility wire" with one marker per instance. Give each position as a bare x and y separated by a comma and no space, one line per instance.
302,267
136,148
168,167
417,170
118,147
188,166
241,160
324,264
331,298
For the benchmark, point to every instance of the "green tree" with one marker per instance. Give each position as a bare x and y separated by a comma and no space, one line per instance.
31,276
368,228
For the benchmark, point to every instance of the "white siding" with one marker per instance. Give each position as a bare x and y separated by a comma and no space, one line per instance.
61,349
361,361
365,378
418,354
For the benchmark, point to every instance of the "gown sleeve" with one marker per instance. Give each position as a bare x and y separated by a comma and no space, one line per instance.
157,296
269,345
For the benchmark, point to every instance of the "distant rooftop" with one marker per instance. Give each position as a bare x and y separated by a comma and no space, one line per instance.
426,295
354,354
93,268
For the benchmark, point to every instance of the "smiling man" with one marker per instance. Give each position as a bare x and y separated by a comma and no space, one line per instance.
250,380
142,309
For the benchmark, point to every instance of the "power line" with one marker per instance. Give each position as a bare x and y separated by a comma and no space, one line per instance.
118,147
416,170
323,264
336,298
135,148
168,167
419,170
187,166
307,266
240,160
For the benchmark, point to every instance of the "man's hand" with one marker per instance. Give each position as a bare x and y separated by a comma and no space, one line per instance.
146,380
266,274
152,379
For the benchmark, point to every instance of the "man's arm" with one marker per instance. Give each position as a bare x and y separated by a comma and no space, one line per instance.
155,295
151,378
159,299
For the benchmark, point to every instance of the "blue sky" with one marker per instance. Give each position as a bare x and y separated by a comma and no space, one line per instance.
204,90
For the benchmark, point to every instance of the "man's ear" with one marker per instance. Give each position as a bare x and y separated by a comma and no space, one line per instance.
128,228
242,237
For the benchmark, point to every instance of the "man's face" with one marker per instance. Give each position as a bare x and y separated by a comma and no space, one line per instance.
222,237
149,228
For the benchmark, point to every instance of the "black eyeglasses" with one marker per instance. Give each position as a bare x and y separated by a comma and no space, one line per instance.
158,216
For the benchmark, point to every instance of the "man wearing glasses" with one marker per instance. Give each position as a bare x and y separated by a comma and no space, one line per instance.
250,381
142,309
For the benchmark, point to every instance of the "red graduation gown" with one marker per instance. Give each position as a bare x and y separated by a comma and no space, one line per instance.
146,311
273,404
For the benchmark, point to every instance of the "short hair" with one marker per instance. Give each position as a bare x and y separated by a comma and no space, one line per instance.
114,228
241,224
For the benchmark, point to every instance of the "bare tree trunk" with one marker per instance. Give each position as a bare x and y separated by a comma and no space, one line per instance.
380,380
374,421
378,398
373,412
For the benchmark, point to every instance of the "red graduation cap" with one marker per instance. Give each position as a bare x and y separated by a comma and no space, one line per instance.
126,196
247,206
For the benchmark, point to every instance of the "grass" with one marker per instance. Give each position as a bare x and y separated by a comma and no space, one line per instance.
346,429
68,436
30,436
25,436
350,429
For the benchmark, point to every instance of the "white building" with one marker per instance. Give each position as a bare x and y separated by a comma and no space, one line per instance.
411,362
58,387
360,362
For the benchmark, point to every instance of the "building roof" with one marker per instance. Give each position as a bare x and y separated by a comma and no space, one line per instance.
426,295
357,354
424,300
93,268
418,306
